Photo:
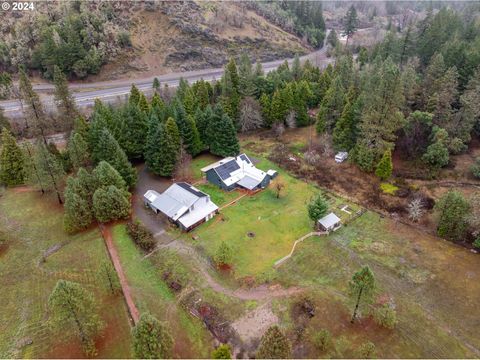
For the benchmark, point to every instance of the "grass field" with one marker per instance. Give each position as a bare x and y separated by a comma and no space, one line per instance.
275,223
33,224
419,272
152,295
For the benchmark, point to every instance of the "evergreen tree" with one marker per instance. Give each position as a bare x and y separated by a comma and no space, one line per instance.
80,126
156,85
32,172
157,103
346,128
192,140
230,97
85,186
385,166
143,104
190,103
265,104
222,136
317,208
135,128
73,310
12,162
110,151
246,77
4,123
134,97
113,283
202,94
34,108
296,68
202,119
163,146
223,255
350,23
64,99
50,170
382,103
110,204
104,175
78,152
77,211
332,38
274,345
151,339
453,211
332,104
362,288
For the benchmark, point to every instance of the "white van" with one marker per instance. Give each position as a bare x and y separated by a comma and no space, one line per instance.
341,156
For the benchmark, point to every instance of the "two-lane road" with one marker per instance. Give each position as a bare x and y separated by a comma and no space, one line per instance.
113,91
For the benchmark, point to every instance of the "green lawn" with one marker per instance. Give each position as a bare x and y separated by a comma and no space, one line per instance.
152,294
33,224
217,195
276,223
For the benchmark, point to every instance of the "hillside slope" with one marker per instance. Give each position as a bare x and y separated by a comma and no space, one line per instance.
102,40
180,36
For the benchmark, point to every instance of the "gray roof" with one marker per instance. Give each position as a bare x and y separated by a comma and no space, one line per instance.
177,199
249,182
329,220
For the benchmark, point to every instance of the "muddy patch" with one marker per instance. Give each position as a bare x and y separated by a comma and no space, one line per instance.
253,325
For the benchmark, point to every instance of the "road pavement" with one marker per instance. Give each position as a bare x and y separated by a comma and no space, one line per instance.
117,90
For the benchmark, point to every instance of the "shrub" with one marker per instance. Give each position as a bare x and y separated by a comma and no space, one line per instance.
140,235
322,340
476,243
385,316
475,168
124,39
222,352
366,350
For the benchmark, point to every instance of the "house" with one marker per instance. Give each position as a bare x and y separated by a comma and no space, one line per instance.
328,223
183,204
341,156
234,172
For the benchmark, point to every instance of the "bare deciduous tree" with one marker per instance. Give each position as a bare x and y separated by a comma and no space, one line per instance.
312,157
182,168
279,129
250,115
416,209
291,119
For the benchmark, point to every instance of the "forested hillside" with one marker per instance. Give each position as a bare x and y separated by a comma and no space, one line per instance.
153,37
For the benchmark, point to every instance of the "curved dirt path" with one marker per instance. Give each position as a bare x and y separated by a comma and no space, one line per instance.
262,292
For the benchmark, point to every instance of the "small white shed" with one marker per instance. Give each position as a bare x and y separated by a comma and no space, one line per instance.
341,156
331,222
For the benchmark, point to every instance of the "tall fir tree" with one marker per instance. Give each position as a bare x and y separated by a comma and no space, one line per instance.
78,213
74,310
135,127
246,77
34,110
134,97
151,339
350,23
105,175
346,128
64,99
222,136
332,105
110,151
12,162
163,146
50,170
78,152
110,203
